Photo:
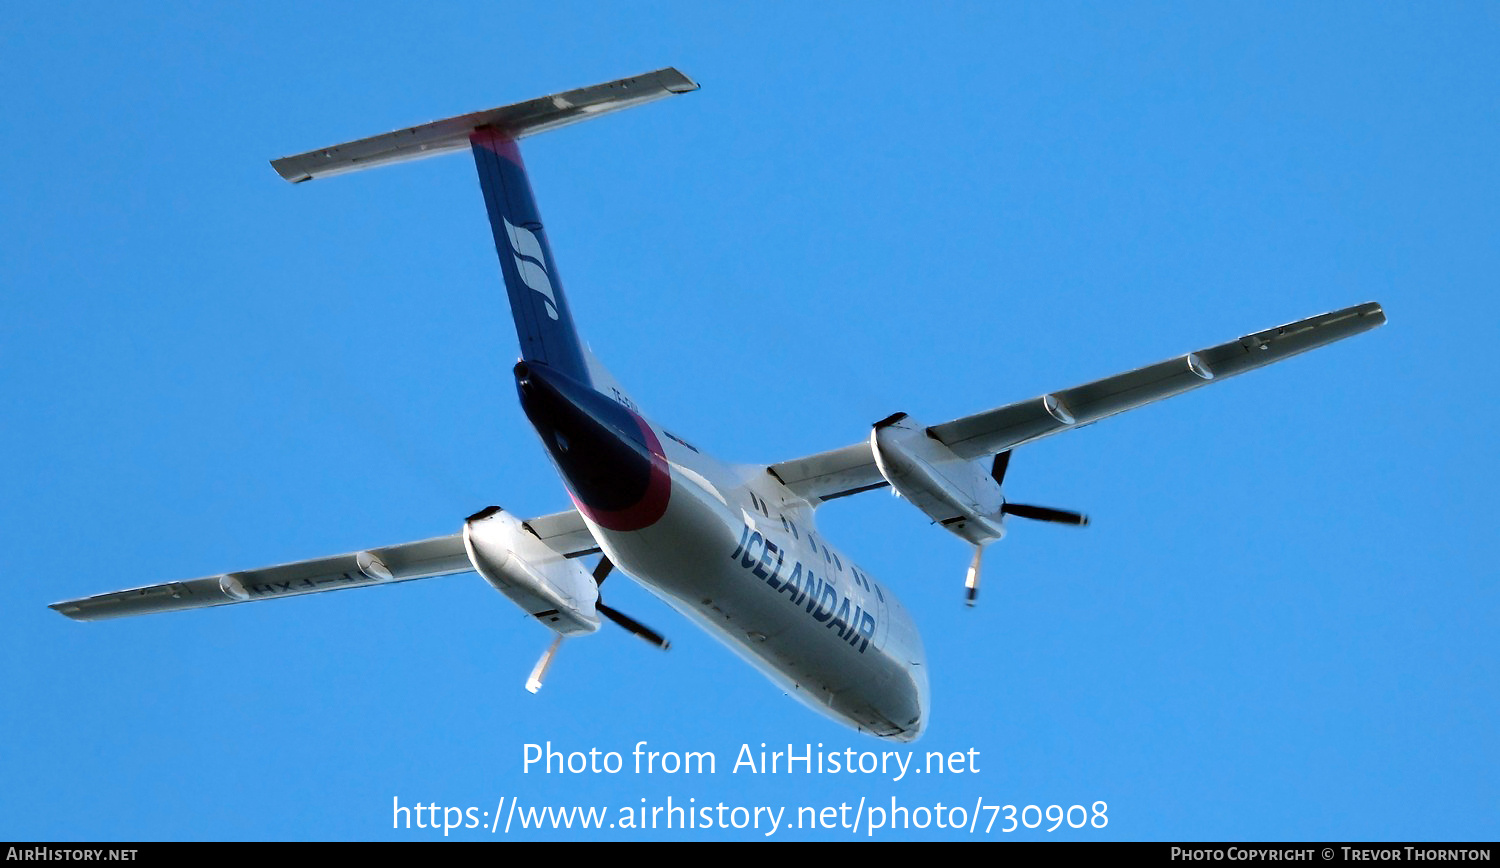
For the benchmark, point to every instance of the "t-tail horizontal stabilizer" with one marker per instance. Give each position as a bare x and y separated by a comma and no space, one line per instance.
452,134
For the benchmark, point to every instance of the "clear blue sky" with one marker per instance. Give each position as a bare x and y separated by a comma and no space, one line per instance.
1282,624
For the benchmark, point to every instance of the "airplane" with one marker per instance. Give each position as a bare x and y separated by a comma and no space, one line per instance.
733,547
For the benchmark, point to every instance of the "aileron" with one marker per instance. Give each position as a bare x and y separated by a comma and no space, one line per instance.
425,559
1027,421
563,533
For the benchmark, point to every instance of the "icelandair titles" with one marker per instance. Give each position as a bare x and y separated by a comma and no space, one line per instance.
819,598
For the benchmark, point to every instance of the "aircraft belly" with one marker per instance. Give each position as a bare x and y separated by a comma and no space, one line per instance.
855,674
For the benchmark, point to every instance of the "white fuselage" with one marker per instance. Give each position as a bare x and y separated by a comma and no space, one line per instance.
738,553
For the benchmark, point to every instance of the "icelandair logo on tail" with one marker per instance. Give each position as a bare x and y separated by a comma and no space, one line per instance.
529,262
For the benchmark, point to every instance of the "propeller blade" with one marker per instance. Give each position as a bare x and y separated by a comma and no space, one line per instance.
1002,463
971,581
633,626
1044,513
538,672
602,571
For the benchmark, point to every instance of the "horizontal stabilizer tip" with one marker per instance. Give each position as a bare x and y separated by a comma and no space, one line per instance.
452,134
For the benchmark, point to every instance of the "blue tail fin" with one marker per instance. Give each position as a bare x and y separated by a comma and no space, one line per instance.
543,321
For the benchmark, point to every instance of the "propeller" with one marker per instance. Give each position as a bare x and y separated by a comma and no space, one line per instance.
1045,513
971,580
601,572
634,626
1020,510
539,671
1026,510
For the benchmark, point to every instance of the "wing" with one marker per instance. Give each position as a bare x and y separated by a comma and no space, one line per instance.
852,469
564,532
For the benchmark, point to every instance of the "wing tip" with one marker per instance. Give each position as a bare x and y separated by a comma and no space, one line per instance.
682,83
285,167
69,609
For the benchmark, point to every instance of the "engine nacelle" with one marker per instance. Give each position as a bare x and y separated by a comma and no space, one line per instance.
557,590
959,494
